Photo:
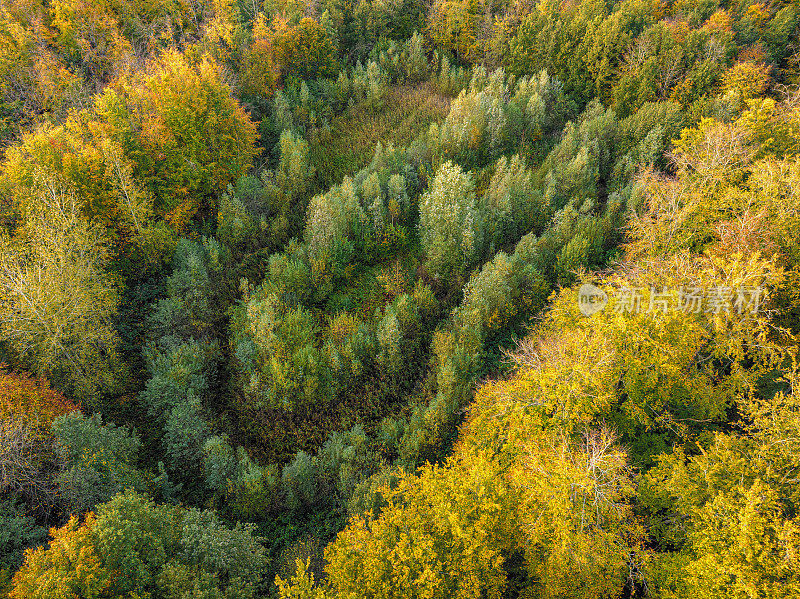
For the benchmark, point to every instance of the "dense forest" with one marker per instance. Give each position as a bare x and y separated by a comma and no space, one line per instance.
399,299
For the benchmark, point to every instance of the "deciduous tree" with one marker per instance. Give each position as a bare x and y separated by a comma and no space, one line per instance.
57,297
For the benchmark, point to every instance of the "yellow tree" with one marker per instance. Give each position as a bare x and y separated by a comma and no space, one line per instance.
57,298
80,154
306,50
462,26
69,567
28,408
260,73
185,134
442,535
90,33
33,78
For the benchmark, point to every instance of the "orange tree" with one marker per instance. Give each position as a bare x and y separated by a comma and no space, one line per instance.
28,407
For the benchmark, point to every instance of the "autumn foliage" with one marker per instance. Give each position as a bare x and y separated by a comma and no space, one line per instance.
180,151
316,274
31,400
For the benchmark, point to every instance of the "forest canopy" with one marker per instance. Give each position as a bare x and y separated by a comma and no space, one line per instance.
398,299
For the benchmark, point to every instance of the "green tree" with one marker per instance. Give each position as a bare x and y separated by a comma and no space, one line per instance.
450,224
99,461
18,532
511,205
278,355
133,547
